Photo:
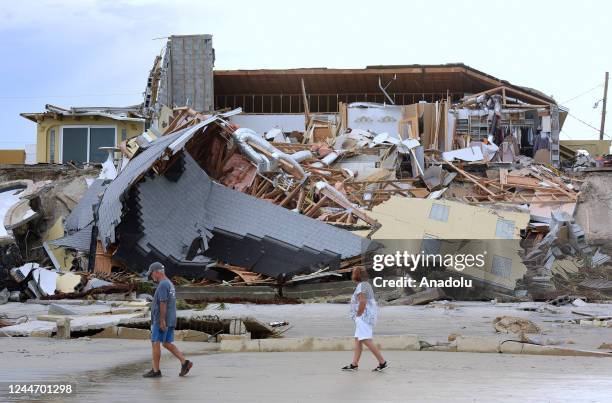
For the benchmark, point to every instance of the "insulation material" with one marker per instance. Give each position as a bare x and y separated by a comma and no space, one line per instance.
46,280
67,282
264,123
465,154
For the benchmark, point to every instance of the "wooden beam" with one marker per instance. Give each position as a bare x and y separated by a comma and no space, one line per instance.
291,195
471,179
314,208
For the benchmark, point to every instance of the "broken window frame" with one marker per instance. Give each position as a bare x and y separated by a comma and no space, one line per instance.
439,216
505,228
501,266
88,127
431,244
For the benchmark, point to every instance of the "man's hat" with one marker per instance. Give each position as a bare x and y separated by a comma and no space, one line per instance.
155,266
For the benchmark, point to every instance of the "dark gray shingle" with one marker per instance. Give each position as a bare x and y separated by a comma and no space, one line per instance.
80,240
174,213
82,214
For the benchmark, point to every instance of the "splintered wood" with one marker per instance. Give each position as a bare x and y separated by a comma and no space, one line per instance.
537,184
184,117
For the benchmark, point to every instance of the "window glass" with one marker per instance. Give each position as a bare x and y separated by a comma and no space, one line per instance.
501,266
504,229
52,146
74,144
439,212
100,137
431,245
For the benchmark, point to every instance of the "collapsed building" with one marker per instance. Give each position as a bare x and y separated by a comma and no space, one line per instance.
164,207
250,177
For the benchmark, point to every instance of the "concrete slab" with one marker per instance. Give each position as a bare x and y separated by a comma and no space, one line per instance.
78,323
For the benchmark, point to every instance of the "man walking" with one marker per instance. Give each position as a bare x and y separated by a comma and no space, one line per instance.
163,321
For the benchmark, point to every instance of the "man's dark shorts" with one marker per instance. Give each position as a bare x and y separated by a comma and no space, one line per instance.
157,335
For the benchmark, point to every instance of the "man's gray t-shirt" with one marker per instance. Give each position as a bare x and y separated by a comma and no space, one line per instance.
164,293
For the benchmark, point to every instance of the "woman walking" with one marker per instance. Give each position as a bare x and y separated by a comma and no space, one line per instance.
364,312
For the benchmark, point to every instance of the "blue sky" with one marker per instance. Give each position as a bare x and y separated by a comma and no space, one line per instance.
90,53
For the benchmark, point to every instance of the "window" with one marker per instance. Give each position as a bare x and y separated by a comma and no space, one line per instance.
439,212
52,146
81,144
123,134
431,245
504,229
501,266
100,137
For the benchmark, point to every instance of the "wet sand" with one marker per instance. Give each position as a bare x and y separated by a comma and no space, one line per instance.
315,376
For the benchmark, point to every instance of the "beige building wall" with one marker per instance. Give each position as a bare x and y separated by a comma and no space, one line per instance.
407,221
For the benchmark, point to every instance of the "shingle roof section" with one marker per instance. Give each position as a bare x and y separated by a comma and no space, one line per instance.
80,240
82,214
239,213
174,213
110,210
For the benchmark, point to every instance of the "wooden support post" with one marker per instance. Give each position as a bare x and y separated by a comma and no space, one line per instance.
63,328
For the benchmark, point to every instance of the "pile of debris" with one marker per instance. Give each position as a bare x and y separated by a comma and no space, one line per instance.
30,281
164,206
222,204
554,262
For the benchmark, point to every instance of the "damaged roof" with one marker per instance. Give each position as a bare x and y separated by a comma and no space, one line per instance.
79,240
180,216
128,113
233,227
110,209
415,78
109,212
82,214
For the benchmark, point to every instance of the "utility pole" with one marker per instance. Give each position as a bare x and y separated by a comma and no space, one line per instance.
603,109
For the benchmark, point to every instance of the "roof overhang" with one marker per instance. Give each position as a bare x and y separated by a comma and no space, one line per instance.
452,78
